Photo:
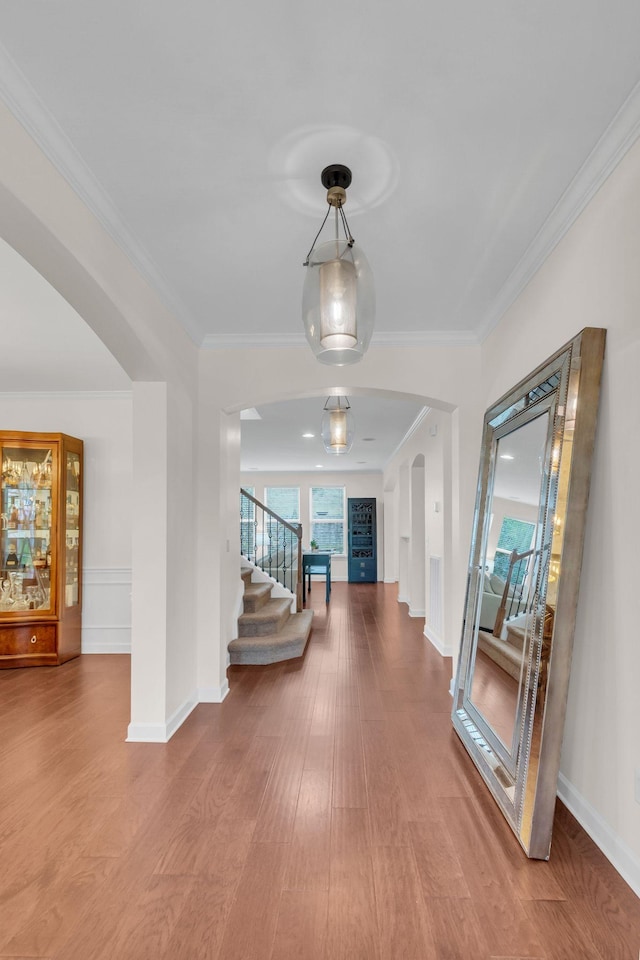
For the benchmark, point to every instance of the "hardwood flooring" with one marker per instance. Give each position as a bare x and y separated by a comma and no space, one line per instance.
324,811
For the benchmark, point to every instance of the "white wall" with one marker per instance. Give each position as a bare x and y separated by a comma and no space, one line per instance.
592,279
442,377
446,557
103,422
356,485
45,221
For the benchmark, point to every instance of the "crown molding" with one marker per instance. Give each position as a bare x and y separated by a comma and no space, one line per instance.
615,142
414,338
425,338
410,432
66,395
25,104
29,110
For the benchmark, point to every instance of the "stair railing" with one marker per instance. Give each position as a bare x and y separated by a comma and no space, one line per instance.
512,603
272,543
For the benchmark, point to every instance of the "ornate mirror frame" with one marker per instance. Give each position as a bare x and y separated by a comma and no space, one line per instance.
509,708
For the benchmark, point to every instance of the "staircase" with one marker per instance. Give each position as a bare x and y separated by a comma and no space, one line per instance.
267,630
506,653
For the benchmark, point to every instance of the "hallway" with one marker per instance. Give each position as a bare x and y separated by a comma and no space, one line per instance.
324,811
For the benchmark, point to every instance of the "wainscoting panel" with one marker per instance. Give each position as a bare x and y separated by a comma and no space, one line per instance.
106,610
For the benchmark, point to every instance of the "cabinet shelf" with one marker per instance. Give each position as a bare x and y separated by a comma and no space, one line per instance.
40,548
362,560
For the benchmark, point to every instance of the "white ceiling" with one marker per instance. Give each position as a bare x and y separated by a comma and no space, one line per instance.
197,132
275,442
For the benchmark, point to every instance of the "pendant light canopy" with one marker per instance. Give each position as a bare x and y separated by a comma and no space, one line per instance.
338,301
337,425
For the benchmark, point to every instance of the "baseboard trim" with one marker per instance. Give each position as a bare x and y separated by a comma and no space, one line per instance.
213,694
436,641
417,613
160,732
615,850
390,580
106,639
402,599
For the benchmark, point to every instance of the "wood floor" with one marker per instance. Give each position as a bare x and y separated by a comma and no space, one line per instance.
325,811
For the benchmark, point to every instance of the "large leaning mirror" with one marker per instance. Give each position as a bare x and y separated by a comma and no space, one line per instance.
526,550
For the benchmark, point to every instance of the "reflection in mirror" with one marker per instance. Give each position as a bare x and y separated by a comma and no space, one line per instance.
513,671
509,577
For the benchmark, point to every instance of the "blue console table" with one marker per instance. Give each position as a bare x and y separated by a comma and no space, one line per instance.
315,563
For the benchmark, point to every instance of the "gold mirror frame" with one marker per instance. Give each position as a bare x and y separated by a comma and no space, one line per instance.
519,759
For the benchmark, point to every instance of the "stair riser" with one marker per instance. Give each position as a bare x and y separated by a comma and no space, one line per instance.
267,631
274,647
256,599
263,627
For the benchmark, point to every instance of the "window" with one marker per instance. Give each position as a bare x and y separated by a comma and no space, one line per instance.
247,524
327,518
285,501
514,535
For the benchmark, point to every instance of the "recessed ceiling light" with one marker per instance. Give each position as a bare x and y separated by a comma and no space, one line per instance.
320,466
308,435
361,461
506,456
367,439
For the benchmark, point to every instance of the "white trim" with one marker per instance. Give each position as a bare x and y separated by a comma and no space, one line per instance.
410,432
413,612
452,686
160,732
66,394
106,576
390,580
622,857
107,608
381,338
213,694
436,641
403,599
614,143
28,108
424,338
106,639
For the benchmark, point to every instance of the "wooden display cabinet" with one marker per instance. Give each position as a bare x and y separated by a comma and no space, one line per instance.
40,548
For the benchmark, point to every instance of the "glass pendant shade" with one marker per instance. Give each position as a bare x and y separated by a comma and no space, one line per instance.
337,427
338,302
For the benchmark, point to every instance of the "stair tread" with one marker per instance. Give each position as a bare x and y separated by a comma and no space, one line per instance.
507,649
271,610
269,618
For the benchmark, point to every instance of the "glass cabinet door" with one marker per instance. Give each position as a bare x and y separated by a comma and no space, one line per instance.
72,529
26,542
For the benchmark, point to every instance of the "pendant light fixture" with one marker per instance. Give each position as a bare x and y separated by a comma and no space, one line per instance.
337,425
338,301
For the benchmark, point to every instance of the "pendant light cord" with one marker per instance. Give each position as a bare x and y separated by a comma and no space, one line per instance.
347,231
306,263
